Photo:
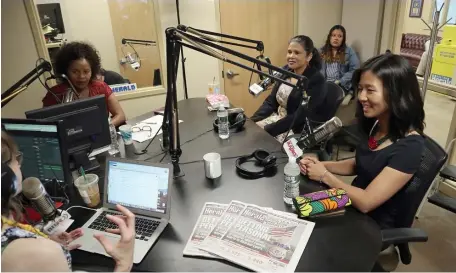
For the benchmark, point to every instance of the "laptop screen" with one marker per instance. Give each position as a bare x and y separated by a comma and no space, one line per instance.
138,186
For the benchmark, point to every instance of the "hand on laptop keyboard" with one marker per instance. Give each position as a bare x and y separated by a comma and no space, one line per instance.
65,238
122,252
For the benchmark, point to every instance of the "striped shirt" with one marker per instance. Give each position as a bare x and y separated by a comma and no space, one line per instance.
332,71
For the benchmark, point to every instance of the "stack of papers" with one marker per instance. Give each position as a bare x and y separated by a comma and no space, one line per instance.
147,128
215,100
258,238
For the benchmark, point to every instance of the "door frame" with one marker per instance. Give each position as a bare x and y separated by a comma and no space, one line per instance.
218,29
40,44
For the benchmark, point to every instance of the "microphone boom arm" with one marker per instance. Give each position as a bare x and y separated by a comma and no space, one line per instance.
138,42
24,83
201,32
197,40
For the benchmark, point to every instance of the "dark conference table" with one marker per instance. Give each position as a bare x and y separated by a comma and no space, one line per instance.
349,242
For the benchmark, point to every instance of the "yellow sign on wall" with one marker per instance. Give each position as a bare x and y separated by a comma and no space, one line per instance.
444,63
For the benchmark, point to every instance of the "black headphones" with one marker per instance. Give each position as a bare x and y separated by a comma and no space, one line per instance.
8,182
263,159
236,121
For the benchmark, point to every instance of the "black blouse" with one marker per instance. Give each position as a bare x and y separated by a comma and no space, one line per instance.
405,156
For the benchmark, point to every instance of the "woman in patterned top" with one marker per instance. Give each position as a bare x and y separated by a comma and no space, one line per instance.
25,248
279,109
339,60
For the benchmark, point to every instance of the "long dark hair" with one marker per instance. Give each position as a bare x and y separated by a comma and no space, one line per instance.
308,46
401,92
326,51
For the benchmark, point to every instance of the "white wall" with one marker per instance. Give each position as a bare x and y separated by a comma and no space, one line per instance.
200,69
362,20
18,58
316,17
89,20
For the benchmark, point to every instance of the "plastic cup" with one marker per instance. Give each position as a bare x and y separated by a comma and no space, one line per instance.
126,133
88,189
214,88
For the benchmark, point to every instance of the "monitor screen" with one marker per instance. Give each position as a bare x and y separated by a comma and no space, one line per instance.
39,144
138,186
51,14
85,122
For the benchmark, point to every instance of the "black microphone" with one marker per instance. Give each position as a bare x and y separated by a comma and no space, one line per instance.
34,191
257,88
294,146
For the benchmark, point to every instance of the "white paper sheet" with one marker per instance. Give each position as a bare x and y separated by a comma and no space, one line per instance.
154,123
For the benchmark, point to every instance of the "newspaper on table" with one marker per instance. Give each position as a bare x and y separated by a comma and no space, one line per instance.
231,213
259,239
207,220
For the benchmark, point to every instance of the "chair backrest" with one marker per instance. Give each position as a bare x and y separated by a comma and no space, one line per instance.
334,97
433,158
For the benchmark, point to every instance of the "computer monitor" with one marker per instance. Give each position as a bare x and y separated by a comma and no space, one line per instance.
86,128
44,152
51,14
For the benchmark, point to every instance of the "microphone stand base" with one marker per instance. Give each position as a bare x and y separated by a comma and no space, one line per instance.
177,173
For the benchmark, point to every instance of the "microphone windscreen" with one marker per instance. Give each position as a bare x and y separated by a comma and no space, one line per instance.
32,188
337,122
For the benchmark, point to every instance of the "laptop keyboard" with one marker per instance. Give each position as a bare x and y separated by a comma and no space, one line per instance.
144,227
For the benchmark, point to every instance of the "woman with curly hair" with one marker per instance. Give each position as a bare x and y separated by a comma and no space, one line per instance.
81,63
339,60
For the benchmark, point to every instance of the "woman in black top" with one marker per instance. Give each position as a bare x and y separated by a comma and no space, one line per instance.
278,110
393,117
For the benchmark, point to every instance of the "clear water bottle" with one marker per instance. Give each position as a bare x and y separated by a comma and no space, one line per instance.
223,123
291,186
114,144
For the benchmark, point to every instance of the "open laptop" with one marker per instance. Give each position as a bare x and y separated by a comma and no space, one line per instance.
143,188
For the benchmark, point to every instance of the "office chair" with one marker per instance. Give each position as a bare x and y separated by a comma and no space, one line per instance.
349,134
334,97
448,172
433,158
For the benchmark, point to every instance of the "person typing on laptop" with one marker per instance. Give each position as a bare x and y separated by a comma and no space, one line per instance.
25,248
143,188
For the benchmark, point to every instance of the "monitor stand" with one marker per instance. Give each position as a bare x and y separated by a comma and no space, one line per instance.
81,158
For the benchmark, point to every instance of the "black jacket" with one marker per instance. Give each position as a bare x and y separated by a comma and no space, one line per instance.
316,89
